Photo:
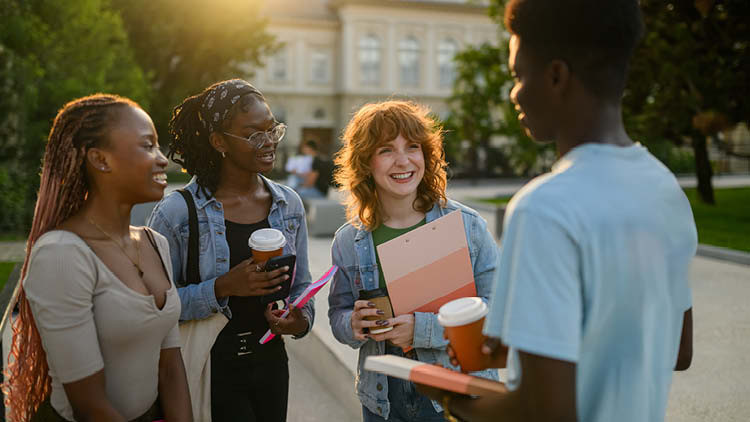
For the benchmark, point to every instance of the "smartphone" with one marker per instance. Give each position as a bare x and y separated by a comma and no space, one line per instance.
286,285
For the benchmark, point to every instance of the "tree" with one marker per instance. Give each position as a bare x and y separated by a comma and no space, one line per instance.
46,60
690,77
186,45
481,110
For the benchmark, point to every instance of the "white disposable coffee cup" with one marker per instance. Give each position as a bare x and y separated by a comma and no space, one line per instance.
266,243
463,320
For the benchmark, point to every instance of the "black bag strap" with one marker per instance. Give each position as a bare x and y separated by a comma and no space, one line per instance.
193,275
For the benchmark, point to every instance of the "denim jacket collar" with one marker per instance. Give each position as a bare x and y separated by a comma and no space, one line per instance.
201,200
433,214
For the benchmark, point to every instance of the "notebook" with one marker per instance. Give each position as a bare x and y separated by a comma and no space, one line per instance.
428,266
433,375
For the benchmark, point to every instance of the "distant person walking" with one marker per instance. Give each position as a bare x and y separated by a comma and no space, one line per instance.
316,182
226,137
592,294
96,337
392,165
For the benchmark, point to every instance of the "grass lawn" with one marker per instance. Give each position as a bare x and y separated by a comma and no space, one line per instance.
502,200
726,224
5,269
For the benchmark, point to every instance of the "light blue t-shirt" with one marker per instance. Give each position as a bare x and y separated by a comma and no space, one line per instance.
594,270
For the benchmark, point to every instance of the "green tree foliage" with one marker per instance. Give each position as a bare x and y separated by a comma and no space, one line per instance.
481,110
690,77
689,81
50,53
186,45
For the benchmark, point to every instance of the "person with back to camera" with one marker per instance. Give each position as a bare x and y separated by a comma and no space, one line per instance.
392,164
592,295
92,283
317,180
226,137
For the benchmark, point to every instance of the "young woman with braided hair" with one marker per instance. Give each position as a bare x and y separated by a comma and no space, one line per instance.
225,137
96,337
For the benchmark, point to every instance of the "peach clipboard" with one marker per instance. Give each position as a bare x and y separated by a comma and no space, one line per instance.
433,375
428,266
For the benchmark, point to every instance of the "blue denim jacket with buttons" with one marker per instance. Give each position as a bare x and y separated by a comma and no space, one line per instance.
354,253
170,218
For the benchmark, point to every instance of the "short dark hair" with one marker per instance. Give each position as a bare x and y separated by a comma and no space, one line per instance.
594,37
311,144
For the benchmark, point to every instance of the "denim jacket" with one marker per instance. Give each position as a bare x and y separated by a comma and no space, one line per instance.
354,253
170,218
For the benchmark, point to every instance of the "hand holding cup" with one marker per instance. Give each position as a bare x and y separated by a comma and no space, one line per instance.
462,320
360,325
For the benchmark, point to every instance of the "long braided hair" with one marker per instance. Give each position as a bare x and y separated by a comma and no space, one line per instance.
81,124
189,144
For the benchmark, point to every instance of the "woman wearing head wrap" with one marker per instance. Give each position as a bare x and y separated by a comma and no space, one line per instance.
225,137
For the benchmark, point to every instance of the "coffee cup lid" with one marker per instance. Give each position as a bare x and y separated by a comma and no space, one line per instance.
266,240
462,311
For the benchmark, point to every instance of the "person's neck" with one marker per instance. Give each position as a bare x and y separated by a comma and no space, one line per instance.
400,212
599,122
107,213
235,182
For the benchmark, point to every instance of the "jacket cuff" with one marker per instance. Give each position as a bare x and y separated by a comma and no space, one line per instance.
306,313
345,330
213,303
428,333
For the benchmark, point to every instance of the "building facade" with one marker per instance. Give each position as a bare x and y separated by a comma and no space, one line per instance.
337,55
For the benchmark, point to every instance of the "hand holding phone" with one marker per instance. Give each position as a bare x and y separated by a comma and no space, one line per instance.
286,285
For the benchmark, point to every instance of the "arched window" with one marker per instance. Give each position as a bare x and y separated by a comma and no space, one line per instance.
408,61
447,49
369,60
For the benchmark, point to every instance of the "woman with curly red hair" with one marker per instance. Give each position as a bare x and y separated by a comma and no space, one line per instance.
392,165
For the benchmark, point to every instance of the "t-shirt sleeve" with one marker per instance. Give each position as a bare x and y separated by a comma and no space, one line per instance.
172,339
60,288
536,304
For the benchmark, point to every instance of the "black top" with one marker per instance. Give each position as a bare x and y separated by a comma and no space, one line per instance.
247,312
324,167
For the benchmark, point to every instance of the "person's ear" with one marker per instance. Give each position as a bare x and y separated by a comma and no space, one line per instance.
98,160
557,75
217,141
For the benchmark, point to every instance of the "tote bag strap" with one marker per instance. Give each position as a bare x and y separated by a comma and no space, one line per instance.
193,274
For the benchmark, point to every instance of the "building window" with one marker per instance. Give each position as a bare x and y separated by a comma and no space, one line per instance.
278,66
369,59
319,113
319,65
408,61
279,113
447,49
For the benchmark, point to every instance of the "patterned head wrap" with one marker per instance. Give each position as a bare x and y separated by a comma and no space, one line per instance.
220,100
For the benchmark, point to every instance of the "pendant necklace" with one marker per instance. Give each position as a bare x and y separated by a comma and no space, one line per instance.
122,248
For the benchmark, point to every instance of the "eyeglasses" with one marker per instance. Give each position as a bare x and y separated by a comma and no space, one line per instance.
258,139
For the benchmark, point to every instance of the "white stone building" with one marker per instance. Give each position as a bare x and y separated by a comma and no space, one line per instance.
337,55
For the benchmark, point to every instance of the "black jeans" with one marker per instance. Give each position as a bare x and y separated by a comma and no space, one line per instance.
249,390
